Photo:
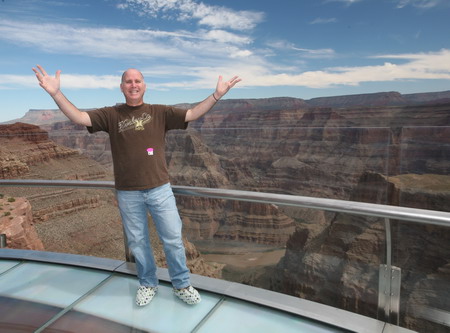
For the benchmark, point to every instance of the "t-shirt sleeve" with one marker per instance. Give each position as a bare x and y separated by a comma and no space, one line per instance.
176,118
99,120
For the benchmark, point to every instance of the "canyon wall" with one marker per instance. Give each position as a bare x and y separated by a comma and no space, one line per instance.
69,220
337,261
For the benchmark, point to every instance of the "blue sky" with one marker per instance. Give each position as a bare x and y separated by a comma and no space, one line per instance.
296,48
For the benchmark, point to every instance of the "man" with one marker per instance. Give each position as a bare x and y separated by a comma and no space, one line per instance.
137,135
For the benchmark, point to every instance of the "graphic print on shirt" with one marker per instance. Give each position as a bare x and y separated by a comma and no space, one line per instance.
134,123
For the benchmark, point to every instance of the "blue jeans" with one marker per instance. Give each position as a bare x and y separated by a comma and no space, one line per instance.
160,202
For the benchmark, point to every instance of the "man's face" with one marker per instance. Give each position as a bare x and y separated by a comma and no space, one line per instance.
133,87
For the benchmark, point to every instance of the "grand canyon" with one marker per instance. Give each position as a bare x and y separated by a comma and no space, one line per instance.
386,148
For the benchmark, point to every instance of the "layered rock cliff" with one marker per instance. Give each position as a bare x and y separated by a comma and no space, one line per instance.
95,146
380,99
16,222
63,220
191,161
24,145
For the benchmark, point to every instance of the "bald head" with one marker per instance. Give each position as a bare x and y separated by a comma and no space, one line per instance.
131,70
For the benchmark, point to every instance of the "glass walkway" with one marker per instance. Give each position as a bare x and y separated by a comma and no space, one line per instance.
54,292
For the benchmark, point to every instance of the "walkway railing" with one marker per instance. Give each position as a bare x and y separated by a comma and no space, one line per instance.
423,216
389,275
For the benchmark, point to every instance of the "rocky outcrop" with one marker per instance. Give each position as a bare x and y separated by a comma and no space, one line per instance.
16,222
27,152
205,219
24,145
66,208
27,132
95,146
198,265
255,223
10,167
200,165
41,117
218,219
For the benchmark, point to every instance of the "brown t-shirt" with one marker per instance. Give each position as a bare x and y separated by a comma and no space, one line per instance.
137,136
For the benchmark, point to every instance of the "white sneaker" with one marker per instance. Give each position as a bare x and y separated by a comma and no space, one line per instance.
188,295
145,295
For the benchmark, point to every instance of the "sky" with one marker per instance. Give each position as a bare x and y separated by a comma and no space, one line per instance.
283,48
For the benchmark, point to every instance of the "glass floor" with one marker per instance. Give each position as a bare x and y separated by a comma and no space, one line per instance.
51,296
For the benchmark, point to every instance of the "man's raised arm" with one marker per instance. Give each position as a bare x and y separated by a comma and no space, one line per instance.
52,86
201,108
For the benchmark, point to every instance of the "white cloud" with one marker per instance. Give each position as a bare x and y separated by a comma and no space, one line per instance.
226,37
346,2
216,17
419,3
304,52
99,42
68,81
8,81
123,43
321,20
256,72
76,81
417,67
421,66
315,53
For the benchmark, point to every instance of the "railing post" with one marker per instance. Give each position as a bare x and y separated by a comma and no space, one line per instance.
389,284
2,241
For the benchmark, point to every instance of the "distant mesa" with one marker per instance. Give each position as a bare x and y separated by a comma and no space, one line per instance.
48,116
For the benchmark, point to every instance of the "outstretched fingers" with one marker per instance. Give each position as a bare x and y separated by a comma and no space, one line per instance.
49,83
44,73
40,72
233,81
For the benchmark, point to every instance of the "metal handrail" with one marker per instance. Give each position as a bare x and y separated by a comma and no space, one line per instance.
424,216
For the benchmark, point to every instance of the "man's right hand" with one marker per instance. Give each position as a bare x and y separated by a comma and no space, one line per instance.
49,83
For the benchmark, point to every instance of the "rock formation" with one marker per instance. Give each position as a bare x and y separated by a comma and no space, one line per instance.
381,99
25,145
191,161
16,222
